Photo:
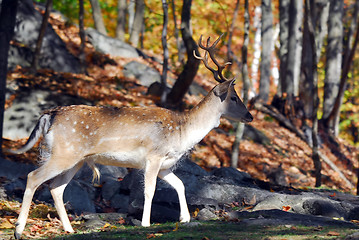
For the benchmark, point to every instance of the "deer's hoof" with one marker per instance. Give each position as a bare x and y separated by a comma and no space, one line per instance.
17,235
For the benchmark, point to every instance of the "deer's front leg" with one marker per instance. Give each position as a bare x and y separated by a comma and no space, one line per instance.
177,184
151,172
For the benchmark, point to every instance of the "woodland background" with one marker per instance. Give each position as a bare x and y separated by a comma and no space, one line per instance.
296,64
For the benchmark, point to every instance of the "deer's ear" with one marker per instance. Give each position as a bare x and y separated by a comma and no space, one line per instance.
221,90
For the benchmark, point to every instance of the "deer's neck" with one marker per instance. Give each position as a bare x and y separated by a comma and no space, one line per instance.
201,120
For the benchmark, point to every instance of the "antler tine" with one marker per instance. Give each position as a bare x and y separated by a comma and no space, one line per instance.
218,75
205,61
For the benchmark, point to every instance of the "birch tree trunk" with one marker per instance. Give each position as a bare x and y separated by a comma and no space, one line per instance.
165,52
240,126
294,47
97,17
291,46
131,14
348,56
333,64
256,51
137,23
267,36
176,33
121,20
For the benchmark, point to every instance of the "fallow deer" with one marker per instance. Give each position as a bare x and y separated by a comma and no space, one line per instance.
148,138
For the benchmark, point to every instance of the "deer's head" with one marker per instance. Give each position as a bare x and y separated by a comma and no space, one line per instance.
232,106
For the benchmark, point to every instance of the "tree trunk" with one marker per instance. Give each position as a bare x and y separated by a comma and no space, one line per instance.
333,64
283,38
7,24
315,153
121,19
240,126
319,16
348,56
256,50
131,14
165,52
137,23
190,69
82,56
37,52
176,32
291,75
97,17
267,37
230,54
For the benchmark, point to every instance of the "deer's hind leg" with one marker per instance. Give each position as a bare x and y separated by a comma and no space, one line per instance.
57,188
47,171
177,184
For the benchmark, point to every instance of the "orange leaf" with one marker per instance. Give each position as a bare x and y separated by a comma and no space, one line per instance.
106,225
176,227
6,224
121,221
286,208
333,233
195,213
150,235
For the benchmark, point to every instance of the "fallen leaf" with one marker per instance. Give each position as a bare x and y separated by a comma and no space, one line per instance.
333,233
121,221
318,228
106,225
150,235
6,224
248,208
35,228
176,227
333,195
195,213
286,208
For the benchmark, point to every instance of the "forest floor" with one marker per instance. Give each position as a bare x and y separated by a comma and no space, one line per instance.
105,84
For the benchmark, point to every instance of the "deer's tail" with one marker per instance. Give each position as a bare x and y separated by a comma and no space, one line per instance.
41,128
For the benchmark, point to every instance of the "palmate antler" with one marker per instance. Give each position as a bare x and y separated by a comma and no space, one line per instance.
218,75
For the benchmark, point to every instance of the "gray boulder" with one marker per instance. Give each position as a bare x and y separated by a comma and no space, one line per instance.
109,45
54,54
21,117
145,74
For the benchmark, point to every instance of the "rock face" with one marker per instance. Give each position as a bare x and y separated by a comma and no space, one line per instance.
145,74
54,54
207,192
108,45
21,117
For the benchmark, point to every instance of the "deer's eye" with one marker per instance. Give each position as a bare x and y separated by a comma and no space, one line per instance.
234,99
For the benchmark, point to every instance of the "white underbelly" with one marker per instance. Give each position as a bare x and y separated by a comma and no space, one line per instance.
132,159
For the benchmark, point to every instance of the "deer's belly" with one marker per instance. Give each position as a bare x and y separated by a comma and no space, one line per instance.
133,159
